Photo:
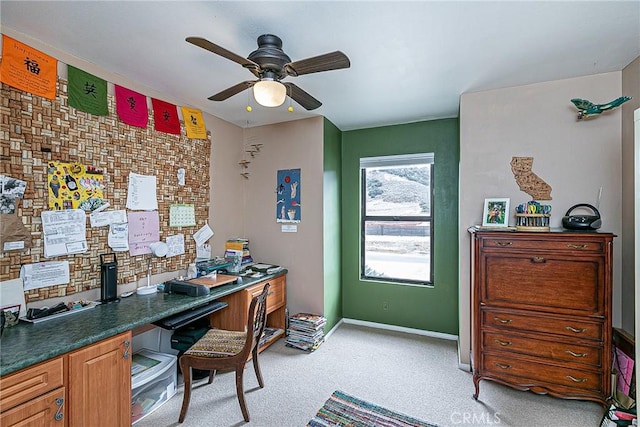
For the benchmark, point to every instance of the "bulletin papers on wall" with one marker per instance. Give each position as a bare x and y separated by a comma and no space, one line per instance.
141,194
144,229
44,274
116,220
175,244
74,186
182,215
64,232
288,191
202,236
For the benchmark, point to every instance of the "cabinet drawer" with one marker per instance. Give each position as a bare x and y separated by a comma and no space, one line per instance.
512,242
276,295
566,327
534,346
528,373
47,410
32,382
557,284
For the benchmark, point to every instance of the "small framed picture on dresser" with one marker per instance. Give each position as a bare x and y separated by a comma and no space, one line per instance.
496,212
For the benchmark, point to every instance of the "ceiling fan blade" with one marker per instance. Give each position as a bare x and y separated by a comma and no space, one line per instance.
329,61
302,97
219,50
229,92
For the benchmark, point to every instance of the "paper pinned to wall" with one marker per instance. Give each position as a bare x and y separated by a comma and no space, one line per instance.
141,193
182,215
45,274
64,232
144,229
118,238
105,218
176,245
203,235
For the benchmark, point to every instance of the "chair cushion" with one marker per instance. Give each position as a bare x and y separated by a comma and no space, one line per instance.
218,343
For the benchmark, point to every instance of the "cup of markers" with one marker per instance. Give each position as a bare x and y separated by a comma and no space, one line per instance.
532,216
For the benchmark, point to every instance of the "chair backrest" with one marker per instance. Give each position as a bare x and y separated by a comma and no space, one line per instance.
256,319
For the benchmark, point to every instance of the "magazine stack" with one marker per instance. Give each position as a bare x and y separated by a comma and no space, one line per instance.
306,331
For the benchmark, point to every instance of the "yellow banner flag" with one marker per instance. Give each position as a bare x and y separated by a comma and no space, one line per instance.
28,69
194,123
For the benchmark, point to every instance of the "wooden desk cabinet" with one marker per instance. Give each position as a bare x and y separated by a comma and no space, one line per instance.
96,378
541,312
234,317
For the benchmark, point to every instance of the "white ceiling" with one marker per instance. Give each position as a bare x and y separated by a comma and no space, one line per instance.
410,61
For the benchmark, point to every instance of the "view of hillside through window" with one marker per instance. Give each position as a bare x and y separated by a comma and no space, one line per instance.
397,223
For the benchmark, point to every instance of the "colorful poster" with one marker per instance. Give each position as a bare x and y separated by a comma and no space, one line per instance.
131,107
165,117
194,123
28,69
74,186
87,92
288,196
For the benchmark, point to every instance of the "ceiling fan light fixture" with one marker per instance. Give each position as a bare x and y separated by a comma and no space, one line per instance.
269,93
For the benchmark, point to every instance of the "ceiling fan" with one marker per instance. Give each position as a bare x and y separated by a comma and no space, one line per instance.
270,65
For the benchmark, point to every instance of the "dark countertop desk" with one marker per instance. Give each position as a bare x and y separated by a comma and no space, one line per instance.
26,344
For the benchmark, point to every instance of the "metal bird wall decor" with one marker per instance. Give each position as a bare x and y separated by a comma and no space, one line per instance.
588,108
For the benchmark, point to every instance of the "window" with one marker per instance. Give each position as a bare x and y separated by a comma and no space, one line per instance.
397,218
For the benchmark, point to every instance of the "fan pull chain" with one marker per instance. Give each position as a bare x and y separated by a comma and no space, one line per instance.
248,101
290,108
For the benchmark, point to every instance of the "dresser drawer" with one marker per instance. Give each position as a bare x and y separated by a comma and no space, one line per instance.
553,283
276,294
520,321
32,382
534,346
585,245
528,373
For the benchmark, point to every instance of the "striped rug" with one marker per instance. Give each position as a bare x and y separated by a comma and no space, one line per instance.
347,411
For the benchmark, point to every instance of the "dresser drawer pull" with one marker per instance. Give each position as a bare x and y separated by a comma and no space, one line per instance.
497,319
577,331
538,260
576,380
503,343
576,354
503,244
59,402
502,366
574,246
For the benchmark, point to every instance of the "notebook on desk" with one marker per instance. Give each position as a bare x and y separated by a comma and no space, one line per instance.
211,282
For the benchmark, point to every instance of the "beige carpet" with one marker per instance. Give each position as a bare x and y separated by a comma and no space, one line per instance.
411,374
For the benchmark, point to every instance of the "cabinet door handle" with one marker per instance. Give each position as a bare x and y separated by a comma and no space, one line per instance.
503,343
577,331
497,319
576,380
574,246
503,244
59,415
270,293
538,260
576,354
126,349
502,366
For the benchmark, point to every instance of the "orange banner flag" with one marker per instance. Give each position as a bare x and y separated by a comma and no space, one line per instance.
28,69
194,123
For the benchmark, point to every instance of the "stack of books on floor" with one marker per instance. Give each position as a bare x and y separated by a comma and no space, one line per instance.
238,247
269,335
306,331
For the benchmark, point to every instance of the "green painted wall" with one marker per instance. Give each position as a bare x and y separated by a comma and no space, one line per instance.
331,236
433,309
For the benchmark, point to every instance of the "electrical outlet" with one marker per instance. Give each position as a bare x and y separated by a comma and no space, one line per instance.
385,305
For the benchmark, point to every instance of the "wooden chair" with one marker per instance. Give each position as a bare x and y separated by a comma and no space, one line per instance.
222,349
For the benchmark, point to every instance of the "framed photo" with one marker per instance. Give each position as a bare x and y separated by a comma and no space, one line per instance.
495,213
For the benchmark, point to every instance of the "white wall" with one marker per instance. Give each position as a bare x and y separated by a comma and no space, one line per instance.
575,157
291,145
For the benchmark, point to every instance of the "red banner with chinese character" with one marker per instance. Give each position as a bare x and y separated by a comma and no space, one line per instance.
131,107
28,69
165,117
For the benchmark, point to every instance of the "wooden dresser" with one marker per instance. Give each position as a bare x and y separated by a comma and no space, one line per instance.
541,312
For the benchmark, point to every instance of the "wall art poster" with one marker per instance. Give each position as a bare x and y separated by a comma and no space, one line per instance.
288,191
74,186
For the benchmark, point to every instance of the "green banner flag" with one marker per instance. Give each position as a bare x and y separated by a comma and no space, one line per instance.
87,92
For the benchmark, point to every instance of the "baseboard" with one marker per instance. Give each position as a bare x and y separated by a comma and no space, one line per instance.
398,329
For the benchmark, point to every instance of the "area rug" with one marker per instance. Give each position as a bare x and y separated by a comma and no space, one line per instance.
347,411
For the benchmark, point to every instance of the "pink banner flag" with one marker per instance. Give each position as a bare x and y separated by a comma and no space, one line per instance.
165,117
131,107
